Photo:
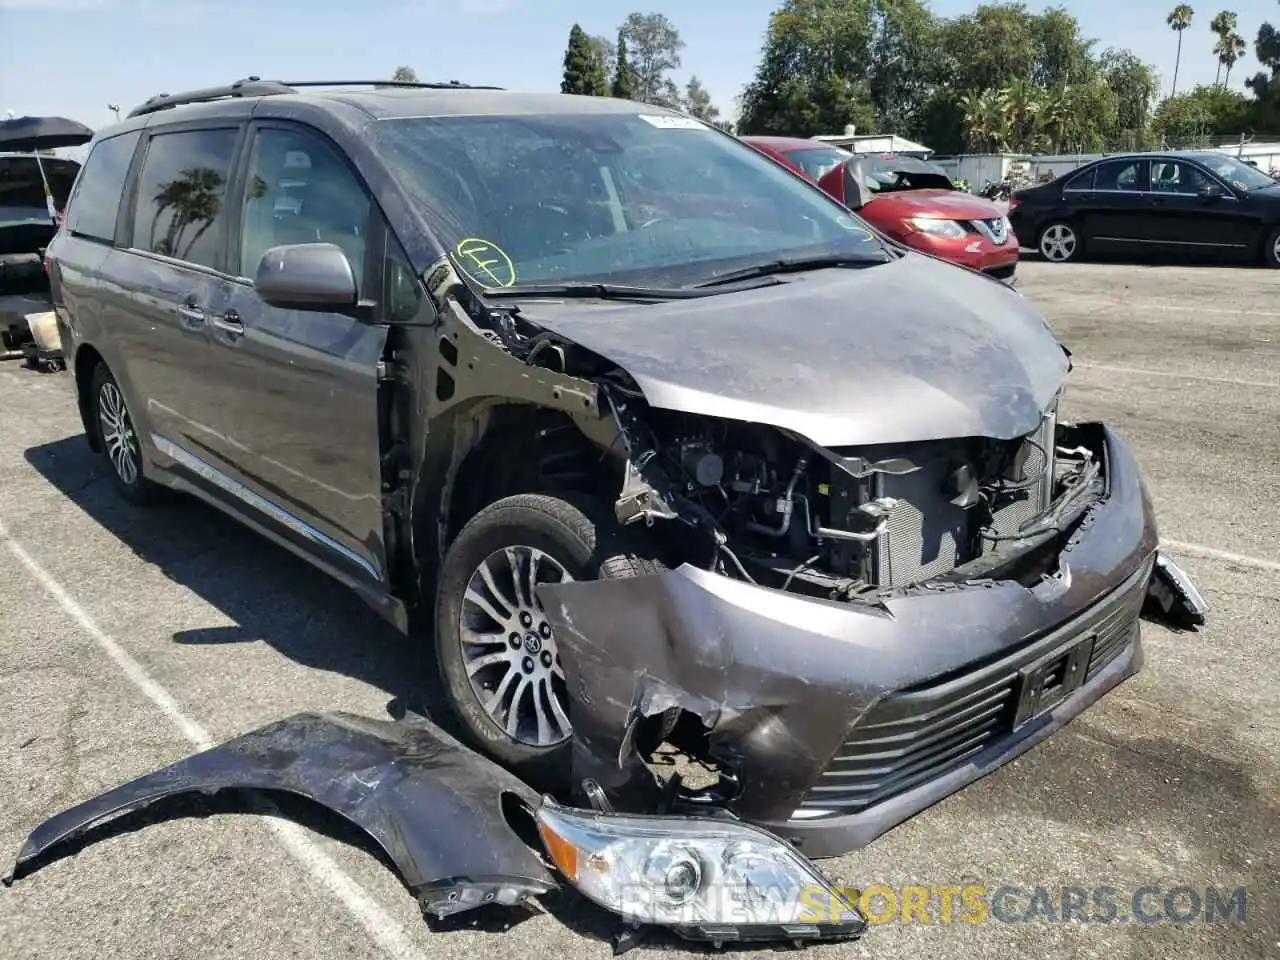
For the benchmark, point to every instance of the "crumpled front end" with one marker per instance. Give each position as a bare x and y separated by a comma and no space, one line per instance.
832,720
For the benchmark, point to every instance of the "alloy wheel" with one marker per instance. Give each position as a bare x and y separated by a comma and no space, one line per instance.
1275,248
1058,243
508,647
117,433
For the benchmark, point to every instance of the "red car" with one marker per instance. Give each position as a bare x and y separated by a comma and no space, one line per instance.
912,201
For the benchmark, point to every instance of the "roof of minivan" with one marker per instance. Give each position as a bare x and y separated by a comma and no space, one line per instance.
396,102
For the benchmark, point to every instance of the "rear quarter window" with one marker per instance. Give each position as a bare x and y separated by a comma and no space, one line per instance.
95,201
181,206
1082,181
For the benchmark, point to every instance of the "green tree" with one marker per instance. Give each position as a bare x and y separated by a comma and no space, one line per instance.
606,53
1136,88
812,76
1178,20
1265,109
624,75
1202,112
654,45
905,64
405,75
583,72
697,102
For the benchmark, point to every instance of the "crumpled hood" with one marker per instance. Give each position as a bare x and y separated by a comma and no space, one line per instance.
946,204
915,349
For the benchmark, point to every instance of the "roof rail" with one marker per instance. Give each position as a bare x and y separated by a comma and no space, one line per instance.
257,87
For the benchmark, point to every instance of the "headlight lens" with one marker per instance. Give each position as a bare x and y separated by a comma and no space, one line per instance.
937,228
719,878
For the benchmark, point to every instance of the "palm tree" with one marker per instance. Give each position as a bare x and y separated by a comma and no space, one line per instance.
1024,101
1178,20
986,119
1223,25
1229,48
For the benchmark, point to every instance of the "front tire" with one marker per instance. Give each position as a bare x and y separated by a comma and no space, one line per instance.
494,645
118,439
1060,242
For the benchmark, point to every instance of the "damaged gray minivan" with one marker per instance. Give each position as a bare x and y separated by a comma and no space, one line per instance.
654,441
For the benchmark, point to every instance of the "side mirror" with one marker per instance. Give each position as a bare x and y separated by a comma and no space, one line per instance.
843,184
307,276
1211,191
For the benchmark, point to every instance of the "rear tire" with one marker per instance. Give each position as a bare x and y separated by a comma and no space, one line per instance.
494,646
1271,249
118,440
1060,242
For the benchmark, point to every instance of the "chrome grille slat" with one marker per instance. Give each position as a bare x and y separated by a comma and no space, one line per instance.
937,749
934,733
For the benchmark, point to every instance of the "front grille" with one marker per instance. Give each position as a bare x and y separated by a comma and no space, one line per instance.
995,229
919,733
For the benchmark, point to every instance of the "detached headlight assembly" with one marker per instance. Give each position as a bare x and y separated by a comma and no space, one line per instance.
937,228
706,879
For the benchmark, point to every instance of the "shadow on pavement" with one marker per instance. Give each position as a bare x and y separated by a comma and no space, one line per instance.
267,593
276,598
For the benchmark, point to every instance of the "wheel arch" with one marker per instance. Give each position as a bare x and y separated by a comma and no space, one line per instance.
493,449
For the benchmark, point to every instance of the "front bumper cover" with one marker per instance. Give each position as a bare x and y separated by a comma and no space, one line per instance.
780,681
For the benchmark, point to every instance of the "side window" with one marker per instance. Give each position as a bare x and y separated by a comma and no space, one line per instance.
402,292
1082,182
300,190
182,191
1168,176
95,202
1119,175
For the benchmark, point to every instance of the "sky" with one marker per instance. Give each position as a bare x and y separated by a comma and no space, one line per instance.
74,57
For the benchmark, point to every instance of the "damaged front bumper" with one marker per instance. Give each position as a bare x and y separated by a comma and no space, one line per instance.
449,820
836,721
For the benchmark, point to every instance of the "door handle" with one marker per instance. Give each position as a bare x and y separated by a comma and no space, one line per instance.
229,323
192,317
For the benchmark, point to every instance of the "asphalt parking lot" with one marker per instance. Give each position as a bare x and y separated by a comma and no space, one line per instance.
127,639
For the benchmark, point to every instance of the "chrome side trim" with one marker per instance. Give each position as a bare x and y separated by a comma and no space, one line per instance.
242,493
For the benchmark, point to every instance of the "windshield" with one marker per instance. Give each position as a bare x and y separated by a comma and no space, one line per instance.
655,200
817,162
1239,175
887,177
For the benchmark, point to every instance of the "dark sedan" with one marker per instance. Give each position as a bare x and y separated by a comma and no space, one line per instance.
1200,203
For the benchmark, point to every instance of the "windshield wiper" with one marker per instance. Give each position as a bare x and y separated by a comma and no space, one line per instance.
593,291
787,265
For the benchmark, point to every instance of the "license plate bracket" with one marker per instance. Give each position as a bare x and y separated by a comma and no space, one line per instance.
1048,681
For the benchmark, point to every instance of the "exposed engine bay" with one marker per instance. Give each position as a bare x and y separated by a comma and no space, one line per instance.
836,523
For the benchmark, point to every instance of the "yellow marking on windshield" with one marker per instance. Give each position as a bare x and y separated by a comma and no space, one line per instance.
485,262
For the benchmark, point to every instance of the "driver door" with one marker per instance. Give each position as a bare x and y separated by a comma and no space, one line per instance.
296,434
1182,220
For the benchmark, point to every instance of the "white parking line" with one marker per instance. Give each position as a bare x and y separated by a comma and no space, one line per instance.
1212,553
384,930
1141,372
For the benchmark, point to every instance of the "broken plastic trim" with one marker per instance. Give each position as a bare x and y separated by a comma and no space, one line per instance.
433,806
1173,599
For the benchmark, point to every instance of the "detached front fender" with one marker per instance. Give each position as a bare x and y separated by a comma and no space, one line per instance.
434,807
